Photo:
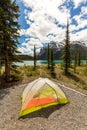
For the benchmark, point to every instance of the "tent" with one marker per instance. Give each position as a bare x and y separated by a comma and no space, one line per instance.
39,94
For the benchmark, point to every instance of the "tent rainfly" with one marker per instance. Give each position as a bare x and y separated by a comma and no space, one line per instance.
39,94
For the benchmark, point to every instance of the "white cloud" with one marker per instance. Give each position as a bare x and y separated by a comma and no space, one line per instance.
79,36
28,46
84,10
80,19
46,16
23,50
78,2
82,23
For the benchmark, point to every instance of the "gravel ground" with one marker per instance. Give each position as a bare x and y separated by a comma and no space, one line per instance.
72,116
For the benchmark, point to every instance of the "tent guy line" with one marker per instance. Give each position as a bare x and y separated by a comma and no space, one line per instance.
72,89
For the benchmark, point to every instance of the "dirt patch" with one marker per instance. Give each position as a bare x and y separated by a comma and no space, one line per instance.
72,116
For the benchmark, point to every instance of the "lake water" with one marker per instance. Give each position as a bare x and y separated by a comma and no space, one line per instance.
42,62
38,62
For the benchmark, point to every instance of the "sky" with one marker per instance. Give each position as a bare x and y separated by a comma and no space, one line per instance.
44,21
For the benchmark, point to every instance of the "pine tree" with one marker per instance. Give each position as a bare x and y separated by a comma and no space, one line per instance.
34,57
52,59
9,33
52,64
48,56
86,59
79,57
75,62
67,56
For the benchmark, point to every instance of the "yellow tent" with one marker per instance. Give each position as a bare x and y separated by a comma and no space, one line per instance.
39,94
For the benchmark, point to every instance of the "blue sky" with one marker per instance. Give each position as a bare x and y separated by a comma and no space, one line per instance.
43,21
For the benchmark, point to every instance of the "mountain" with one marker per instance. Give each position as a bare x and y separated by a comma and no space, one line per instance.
79,46
75,46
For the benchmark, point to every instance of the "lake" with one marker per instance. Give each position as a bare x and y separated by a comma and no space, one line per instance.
38,62
42,62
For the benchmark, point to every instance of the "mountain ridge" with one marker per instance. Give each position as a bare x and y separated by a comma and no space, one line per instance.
75,46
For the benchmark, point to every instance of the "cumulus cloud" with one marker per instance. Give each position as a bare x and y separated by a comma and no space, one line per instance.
81,20
79,36
44,14
50,17
78,2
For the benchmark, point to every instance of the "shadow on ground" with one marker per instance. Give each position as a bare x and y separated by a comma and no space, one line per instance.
44,112
3,93
75,78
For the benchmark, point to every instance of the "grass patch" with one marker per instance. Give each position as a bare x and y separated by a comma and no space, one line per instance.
79,78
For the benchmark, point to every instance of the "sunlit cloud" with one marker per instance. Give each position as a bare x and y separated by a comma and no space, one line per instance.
50,17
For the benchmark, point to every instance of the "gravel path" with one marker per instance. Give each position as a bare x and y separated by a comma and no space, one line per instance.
72,116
